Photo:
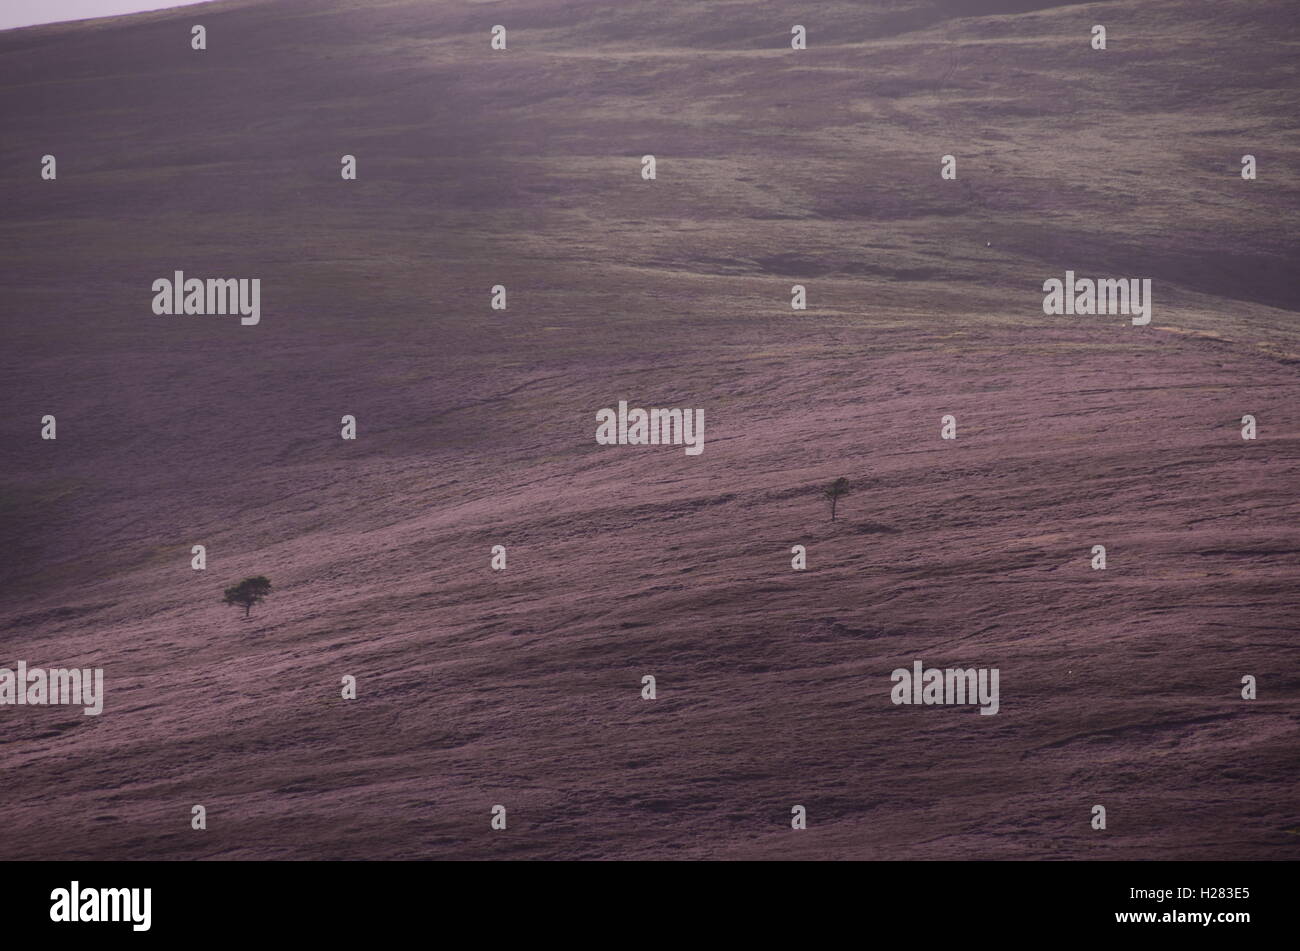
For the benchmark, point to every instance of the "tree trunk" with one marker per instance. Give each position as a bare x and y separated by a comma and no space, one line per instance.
248,606
834,502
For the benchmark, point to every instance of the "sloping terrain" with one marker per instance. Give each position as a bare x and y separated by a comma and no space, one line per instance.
476,428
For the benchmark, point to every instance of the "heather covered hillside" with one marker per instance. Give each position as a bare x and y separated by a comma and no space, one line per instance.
475,427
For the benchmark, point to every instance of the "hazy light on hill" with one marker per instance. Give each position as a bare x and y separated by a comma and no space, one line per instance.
14,13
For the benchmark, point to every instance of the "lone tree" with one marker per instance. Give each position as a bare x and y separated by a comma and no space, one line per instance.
248,592
837,489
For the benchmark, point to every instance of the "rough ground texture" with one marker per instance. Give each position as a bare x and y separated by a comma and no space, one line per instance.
476,428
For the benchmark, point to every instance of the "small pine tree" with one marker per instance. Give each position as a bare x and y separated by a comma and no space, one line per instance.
836,490
248,592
